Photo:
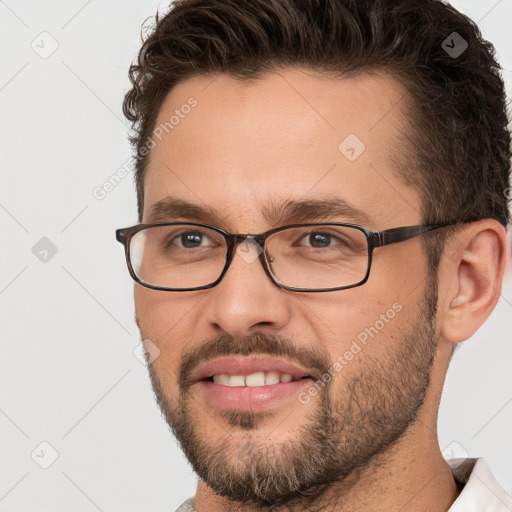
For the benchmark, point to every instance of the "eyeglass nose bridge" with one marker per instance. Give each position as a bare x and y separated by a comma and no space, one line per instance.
235,240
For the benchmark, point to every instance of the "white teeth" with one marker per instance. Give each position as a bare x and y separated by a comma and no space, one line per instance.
272,378
253,380
221,379
236,381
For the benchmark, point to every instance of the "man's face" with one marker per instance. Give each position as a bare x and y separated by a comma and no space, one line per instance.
360,358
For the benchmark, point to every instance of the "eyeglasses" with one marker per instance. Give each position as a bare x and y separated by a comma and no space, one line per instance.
323,257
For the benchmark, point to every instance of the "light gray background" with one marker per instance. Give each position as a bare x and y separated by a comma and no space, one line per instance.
69,375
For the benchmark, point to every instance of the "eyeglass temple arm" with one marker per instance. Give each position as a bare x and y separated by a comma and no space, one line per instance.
395,235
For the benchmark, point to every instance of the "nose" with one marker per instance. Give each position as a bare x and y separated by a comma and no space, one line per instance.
246,299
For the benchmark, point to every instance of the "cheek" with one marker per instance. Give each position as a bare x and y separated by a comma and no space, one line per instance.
398,270
158,315
155,314
161,312
146,307
365,320
367,343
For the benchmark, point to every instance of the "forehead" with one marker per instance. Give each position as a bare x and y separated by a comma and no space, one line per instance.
236,146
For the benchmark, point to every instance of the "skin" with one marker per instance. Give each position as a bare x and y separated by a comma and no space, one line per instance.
274,139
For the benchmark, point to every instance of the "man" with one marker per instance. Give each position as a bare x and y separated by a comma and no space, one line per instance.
321,189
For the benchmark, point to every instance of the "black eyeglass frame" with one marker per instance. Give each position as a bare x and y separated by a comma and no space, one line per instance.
374,239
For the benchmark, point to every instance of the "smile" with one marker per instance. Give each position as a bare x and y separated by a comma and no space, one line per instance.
253,380
250,383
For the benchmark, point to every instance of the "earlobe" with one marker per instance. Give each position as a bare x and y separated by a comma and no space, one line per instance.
472,278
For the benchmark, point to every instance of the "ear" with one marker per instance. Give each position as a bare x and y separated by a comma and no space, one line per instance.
470,277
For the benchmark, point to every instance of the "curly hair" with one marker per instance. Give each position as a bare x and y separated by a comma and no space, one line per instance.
455,148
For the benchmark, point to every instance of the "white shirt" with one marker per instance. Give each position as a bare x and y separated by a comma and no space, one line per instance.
480,493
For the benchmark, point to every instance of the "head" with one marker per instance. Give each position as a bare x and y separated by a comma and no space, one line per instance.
254,115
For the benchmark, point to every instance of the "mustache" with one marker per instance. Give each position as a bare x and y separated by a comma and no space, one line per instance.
313,359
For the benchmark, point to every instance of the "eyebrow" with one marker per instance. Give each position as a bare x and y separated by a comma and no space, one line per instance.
290,211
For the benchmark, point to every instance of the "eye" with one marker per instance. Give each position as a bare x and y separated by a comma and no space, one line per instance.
319,240
190,239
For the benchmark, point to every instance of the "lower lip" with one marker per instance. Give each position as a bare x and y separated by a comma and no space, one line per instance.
253,399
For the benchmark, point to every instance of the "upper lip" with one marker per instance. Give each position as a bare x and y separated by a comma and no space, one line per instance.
245,365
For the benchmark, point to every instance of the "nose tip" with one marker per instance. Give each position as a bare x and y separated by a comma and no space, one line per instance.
247,297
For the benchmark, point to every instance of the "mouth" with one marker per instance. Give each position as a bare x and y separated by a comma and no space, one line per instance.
251,371
252,383
256,379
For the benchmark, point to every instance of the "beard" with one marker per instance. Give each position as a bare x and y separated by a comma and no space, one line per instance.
356,417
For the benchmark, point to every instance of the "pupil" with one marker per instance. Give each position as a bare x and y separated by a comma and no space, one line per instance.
318,240
191,240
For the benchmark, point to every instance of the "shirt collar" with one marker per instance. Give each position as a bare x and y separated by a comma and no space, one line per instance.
480,489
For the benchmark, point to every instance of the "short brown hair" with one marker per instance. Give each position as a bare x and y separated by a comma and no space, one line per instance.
456,149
